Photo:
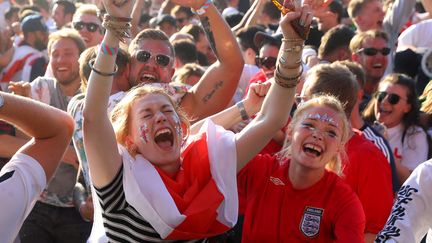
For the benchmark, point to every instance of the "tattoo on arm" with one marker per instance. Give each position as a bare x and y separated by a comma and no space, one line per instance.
208,96
206,26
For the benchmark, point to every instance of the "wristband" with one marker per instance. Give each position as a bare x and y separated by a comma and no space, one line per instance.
105,49
243,113
203,8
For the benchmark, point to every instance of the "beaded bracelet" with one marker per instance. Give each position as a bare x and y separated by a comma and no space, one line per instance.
287,82
91,62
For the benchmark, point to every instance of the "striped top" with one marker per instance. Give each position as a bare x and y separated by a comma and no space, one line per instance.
122,222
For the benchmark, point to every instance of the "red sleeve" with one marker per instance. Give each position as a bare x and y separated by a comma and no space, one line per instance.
351,219
369,175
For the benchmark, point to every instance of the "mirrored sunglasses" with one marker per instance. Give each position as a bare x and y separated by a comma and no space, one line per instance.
161,60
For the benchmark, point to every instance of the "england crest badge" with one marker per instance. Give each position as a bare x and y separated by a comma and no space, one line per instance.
311,220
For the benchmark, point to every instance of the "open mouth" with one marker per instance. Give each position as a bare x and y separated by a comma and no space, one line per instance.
148,78
377,65
164,138
312,149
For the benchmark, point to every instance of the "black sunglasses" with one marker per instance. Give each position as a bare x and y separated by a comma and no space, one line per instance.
393,99
268,62
91,27
161,60
370,51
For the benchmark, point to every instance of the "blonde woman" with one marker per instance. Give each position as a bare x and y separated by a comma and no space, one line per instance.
298,196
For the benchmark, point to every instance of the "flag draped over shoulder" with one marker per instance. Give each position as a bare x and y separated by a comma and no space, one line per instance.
201,200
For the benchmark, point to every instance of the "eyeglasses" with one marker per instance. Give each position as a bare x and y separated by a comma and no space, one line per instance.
370,51
268,62
161,60
91,27
393,99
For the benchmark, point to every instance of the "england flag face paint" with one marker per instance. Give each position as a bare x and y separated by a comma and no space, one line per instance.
144,133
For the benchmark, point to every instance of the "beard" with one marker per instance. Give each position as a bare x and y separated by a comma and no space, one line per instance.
66,79
40,45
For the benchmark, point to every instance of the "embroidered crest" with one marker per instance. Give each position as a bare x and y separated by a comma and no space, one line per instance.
311,220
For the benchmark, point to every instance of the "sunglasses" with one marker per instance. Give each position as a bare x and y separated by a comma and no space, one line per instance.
268,62
91,27
393,99
161,60
370,51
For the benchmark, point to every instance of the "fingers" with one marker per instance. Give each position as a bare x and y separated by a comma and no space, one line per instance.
306,16
262,89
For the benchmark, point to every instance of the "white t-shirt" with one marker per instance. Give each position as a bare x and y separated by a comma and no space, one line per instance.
418,35
414,149
22,179
411,215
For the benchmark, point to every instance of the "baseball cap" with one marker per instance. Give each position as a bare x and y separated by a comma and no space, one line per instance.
33,23
261,38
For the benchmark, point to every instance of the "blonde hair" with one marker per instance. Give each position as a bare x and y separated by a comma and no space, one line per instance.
427,99
63,34
335,164
121,114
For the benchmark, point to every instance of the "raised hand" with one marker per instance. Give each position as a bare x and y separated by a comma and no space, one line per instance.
195,4
295,24
255,97
119,8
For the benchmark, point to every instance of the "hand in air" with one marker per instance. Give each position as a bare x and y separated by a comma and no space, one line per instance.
119,8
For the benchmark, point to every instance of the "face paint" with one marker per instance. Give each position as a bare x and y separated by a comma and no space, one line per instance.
144,133
178,128
324,118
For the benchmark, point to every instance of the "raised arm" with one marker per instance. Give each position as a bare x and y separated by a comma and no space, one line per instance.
279,100
99,138
50,128
218,84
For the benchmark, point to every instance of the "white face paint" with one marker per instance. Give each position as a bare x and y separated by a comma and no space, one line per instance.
144,133
178,127
324,118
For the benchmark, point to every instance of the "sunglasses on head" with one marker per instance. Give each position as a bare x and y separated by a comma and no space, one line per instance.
91,27
370,51
161,60
392,99
268,62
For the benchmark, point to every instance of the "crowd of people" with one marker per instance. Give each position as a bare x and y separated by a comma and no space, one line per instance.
215,121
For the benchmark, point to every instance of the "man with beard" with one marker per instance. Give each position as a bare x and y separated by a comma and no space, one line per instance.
55,208
28,61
